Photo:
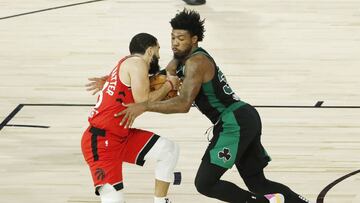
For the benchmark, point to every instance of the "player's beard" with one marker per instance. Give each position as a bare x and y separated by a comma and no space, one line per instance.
154,65
182,55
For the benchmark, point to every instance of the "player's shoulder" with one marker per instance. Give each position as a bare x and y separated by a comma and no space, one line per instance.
199,60
198,57
134,63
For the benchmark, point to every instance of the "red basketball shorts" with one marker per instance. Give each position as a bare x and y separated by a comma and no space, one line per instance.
105,153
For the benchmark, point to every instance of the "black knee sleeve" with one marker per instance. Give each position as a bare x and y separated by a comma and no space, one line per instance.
207,177
203,185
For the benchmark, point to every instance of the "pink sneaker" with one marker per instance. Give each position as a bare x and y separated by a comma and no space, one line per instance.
275,198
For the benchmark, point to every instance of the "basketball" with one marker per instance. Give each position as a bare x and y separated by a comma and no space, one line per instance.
156,81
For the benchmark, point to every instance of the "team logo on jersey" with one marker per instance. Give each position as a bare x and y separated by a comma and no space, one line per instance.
100,174
225,155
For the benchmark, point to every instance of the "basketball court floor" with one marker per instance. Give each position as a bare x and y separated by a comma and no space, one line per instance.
296,61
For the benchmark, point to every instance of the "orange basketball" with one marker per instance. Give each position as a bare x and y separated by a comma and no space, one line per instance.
156,81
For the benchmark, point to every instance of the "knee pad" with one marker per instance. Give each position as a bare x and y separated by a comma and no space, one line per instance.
108,194
166,154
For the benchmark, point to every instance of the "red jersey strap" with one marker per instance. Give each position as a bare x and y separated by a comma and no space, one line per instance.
119,65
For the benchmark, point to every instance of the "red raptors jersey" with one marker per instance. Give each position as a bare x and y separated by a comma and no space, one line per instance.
110,100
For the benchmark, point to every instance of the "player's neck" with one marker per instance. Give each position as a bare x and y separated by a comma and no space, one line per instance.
144,57
190,53
194,48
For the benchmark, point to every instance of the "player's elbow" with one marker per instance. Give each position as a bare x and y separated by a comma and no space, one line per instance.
185,106
184,109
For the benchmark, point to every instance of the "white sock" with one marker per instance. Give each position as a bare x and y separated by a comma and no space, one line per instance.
161,200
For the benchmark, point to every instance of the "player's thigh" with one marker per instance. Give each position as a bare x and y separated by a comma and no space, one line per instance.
253,159
139,143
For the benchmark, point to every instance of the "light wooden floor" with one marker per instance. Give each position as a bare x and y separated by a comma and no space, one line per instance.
273,53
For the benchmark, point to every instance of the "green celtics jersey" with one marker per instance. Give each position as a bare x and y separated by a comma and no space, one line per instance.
215,95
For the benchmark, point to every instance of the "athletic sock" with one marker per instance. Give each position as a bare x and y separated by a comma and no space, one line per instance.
161,200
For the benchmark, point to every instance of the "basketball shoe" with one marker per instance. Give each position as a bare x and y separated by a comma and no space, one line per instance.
275,198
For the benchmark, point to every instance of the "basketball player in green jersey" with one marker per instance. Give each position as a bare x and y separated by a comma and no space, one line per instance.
237,125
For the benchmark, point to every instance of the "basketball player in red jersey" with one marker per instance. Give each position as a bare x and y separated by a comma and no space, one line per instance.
106,145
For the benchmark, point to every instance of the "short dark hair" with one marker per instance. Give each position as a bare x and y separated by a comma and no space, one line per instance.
189,20
140,42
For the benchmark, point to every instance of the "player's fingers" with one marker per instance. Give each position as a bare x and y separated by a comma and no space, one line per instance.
132,122
91,88
90,84
127,105
124,119
96,91
122,122
126,124
120,113
129,122
94,79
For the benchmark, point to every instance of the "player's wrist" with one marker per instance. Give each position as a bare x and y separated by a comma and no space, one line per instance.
146,106
171,84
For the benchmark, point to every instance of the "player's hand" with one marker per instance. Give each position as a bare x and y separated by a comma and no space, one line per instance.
130,113
96,84
174,80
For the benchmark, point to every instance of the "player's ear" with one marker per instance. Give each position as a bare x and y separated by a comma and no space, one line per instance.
149,51
194,39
